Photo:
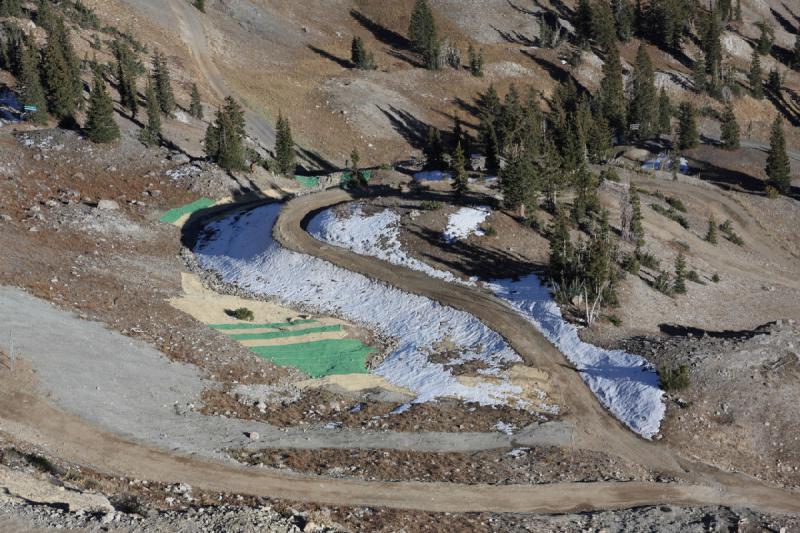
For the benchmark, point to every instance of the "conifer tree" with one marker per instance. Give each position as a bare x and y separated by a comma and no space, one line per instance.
612,91
200,5
688,136
699,76
664,113
460,178
562,252
163,83
150,135
774,82
711,233
637,228
582,21
359,55
604,27
100,124
475,61
737,12
679,285
518,183
126,76
61,74
284,147
423,34
32,92
643,108
754,77
45,16
586,202
492,150
599,139
196,105
730,129
434,149
778,167
765,38
625,17
225,136
712,48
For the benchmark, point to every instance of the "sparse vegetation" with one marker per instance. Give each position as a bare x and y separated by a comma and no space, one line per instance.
431,205
674,378
243,313
671,213
727,229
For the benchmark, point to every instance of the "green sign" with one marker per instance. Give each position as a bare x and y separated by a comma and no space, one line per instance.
31,108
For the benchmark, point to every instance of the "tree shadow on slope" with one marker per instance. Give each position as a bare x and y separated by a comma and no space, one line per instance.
400,46
342,62
412,129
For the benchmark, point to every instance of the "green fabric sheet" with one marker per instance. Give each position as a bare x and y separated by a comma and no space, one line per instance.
173,215
320,358
307,182
283,334
250,325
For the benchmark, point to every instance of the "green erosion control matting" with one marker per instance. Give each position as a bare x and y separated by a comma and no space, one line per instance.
347,176
320,358
315,358
307,182
173,215
284,334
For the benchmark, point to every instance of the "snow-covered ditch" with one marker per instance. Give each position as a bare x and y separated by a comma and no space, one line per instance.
240,248
626,384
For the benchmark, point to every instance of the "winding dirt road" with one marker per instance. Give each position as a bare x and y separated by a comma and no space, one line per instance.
33,419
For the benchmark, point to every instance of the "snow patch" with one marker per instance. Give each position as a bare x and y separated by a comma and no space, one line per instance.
465,222
240,248
626,384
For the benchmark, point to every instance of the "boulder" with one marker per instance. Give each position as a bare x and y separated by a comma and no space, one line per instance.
107,205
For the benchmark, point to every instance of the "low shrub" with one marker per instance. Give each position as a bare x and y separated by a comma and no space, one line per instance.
489,231
674,378
431,205
676,204
671,214
614,319
663,284
727,229
715,278
693,276
648,260
243,313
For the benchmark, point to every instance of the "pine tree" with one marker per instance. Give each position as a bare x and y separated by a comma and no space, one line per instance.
712,48
359,55
423,34
460,178
45,16
126,76
224,141
163,83
625,17
711,234
100,124
688,136
754,77
612,91
582,21
730,129
643,106
61,74
196,106
774,82
679,285
637,227
586,202
765,38
150,135
599,139
778,167
664,113
518,183
434,149
699,76
492,150
475,61
200,5
32,92
604,27
562,252
284,147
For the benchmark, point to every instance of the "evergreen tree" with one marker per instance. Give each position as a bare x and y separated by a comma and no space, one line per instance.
688,136
679,285
196,106
699,76
666,21
475,61
711,234
730,129
434,149
518,183
126,76
586,202
637,228
224,141
644,105
625,17
284,147
150,135
604,27
562,252
459,166
737,12
423,34
612,91
200,5
754,77
45,16
664,113
100,124
600,274
582,21
765,38
778,166
32,92
712,48
163,83
459,136
599,140
359,55
61,74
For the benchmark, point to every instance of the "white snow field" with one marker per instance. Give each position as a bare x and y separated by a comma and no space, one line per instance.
465,222
375,235
626,384
240,248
